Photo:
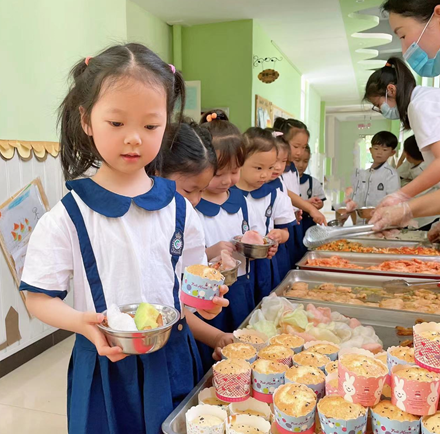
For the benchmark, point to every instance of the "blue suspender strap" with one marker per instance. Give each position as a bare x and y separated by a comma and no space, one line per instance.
310,190
87,254
273,196
177,244
245,227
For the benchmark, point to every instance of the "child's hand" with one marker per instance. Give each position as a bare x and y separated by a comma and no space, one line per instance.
316,202
299,216
276,235
94,335
220,301
215,250
318,217
221,341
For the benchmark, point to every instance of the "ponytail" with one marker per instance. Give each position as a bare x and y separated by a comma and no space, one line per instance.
397,73
290,127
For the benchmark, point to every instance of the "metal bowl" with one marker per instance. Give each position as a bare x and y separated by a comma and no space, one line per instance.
366,212
143,341
230,275
253,251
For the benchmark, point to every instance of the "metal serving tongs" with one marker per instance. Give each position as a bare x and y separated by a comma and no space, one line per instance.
401,286
318,235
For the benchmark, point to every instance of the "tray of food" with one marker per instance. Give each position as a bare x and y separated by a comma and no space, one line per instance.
399,235
381,246
365,263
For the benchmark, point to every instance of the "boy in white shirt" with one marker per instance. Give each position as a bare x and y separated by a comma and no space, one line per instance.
372,185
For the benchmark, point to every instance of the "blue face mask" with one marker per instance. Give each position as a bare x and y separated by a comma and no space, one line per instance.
389,112
418,58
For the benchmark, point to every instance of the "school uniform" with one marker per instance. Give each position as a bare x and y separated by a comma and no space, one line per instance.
424,117
271,210
120,250
372,185
310,187
222,223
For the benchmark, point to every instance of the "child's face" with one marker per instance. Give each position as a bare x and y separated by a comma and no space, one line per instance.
192,186
381,153
258,169
298,144
280,165
301,163
224,179
127,124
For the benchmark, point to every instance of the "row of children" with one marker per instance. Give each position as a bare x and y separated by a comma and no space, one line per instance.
125,235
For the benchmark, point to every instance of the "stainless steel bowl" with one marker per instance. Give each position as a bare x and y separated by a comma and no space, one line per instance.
365,212
253,251
230,275
143,341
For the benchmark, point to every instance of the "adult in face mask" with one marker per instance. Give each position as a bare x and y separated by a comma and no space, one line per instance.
392,90
417,24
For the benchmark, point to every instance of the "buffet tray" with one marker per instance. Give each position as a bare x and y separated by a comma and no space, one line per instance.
384,244
366,260
405,235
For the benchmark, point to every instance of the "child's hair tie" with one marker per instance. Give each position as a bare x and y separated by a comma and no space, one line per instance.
211,117
277,134
87,60
173,68
389,65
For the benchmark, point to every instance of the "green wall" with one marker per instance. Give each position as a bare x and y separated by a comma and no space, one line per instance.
149,30
41,40
313,117
220,56
285,92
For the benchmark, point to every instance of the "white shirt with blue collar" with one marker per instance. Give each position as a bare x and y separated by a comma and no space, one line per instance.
130,238
311,187
223,222
291,178
372,185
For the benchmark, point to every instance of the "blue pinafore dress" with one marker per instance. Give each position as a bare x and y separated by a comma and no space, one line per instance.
136,394
307,221
241,293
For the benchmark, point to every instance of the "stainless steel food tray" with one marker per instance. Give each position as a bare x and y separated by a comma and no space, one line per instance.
366,260
384,244
405,235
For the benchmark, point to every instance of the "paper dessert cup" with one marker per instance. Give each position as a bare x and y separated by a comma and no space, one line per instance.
249,360
332,357
232,387
238,333
420,398
264,385
330,387
318,388
199,292
359,389
297,349
295,363
326,368
209,393
383,425
289,424
426,352
425,430
253,421
201,410
394,361
331,425
252,404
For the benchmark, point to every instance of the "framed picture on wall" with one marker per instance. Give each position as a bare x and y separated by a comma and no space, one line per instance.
193,105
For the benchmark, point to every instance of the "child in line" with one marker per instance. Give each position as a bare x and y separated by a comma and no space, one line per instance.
310,188
372,185
112,233
224,213
211,115
273,211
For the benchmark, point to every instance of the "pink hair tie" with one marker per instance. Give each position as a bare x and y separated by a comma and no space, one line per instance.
173,68
87,60
277,134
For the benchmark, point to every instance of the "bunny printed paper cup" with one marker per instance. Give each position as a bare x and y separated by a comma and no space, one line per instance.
359,389
384,425
393,360
205,410
331,425
252,337
208,396
331,384
264,385
198,291
416,397
292,424
308,346
232,386
260,424
251,407
431,424
427,351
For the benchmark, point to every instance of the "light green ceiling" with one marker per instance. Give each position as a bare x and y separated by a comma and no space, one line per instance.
362,46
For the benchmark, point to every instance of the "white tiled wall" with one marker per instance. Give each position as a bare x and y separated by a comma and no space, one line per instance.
14,175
